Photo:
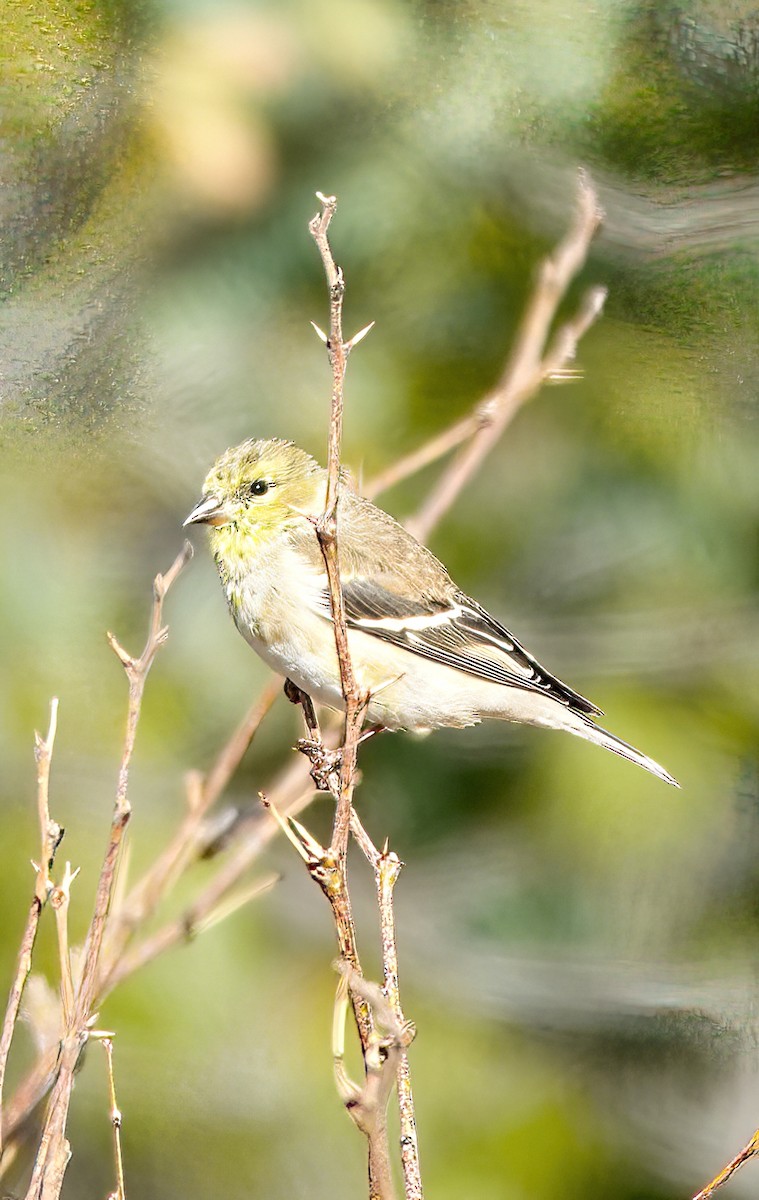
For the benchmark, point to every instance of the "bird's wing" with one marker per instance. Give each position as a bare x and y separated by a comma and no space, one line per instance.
395,589
456,632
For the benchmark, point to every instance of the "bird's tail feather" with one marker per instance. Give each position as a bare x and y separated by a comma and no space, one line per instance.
595,733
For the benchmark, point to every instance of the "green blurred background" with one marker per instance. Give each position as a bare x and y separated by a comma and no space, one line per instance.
578,942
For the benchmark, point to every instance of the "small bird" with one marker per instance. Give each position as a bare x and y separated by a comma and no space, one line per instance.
426,653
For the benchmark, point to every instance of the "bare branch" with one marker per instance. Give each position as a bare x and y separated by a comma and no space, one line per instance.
531,363
749,1151
328,867
367,1105
137,672
50,838
207,908
437,447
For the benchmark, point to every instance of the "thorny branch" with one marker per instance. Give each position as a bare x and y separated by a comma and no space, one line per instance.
329,867
327,526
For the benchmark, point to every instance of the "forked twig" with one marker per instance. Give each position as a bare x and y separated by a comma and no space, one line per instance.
325,870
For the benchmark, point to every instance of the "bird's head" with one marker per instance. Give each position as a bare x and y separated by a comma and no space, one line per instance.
257,489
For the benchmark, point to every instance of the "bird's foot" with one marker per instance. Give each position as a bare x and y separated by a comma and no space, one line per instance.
371,732
324,763
296,695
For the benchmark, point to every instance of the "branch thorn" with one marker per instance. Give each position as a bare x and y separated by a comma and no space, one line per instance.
359,337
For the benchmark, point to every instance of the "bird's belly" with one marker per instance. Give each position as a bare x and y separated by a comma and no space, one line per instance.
302,652
307,670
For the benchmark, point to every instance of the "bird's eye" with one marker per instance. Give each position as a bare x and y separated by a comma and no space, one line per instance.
259,487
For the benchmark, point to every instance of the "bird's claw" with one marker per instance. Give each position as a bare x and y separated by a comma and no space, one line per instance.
324,762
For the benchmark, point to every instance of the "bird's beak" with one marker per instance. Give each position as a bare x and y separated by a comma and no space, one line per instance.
209,510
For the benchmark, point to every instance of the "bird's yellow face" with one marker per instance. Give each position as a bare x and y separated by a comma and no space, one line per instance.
255,491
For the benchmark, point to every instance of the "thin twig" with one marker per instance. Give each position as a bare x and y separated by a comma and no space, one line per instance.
437,447
206,910
116,1122
230,757
50,831
327,526
50,838
59,901
387,867
137,672
749,1151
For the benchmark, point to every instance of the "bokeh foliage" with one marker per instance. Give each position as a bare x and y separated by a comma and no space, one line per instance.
577,941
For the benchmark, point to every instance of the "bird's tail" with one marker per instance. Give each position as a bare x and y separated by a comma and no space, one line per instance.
586,728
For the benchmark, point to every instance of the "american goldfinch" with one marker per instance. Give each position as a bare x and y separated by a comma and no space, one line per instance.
425,652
